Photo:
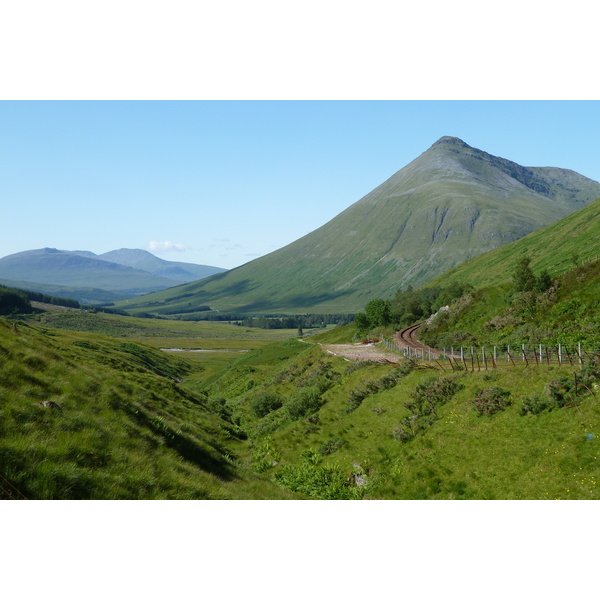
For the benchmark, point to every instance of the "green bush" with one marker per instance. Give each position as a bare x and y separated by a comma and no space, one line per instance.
410,426
330,446
489,401
423,405
535,405
265,403
317,481
432,393
219,406
304,403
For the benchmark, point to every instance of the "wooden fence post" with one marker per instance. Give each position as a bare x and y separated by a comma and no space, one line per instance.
559,354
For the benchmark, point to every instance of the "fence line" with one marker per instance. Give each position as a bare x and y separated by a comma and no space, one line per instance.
483,358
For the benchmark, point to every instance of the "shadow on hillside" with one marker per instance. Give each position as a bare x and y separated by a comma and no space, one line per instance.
186,447
294,303
240,287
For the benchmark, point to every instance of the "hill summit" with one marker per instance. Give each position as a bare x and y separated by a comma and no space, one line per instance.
451,203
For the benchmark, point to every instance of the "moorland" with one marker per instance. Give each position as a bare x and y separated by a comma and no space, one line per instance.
169,396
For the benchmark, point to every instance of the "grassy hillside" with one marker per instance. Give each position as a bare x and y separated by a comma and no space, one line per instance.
450,204
116,423
283,420
557,248
332,429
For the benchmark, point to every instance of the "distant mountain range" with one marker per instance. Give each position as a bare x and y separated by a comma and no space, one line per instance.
448,205
92,278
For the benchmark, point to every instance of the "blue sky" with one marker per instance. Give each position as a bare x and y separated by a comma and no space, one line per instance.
223,182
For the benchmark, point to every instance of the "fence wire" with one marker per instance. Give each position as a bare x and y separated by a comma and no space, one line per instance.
491,357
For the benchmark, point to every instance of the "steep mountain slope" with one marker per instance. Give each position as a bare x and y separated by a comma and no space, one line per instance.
559,308
451,203
177,271
556,248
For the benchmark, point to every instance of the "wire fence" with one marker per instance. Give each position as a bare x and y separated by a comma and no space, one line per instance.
483,358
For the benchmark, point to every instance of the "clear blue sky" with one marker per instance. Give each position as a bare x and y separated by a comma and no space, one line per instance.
227,181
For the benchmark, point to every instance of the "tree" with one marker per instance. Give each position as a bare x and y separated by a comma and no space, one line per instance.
543,282
378,312
361,322
523,277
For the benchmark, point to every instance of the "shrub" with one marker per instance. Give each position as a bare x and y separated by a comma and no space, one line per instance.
432,393
325,482
356,397
304,403
491,400
407,365
265,403
425,399
330,446
219,406
559,391
355,366
534,405
410,426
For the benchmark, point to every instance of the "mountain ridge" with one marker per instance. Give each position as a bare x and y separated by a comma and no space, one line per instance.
449,204
91,277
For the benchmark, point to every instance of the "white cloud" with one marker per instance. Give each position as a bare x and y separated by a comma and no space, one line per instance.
166,247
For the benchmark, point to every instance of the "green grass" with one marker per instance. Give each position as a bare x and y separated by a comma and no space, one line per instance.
550,248
125,428
462,455
141,423
568,313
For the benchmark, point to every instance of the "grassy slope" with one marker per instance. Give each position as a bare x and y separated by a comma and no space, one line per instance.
126,429
550,248
568,313
463,455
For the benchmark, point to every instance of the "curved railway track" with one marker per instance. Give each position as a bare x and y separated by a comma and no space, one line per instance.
407,338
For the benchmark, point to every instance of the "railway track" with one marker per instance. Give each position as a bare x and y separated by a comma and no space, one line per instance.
407,338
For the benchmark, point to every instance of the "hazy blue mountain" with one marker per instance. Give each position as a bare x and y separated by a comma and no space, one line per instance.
180,272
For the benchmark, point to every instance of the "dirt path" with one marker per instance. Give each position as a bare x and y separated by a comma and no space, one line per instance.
362,352
406,337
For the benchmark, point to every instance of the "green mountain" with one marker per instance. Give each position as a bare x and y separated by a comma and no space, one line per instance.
450,204
556,248
81,294
522,306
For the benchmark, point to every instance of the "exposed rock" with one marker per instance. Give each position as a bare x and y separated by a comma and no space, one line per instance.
50,404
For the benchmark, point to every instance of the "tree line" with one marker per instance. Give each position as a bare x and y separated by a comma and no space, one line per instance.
17,301
411,306
408,306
